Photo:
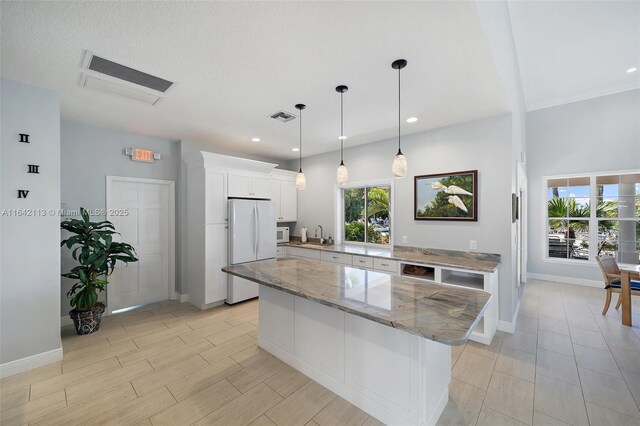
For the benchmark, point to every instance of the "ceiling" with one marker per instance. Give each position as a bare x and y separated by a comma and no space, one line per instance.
575,50
235,63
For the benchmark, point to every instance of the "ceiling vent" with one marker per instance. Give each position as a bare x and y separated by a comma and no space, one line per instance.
107,76
283,116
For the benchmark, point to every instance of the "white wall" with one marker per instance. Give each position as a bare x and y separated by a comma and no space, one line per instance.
88,155
484,145
30,245
596,135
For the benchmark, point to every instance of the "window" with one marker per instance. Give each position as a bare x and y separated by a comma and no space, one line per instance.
367,217
578,232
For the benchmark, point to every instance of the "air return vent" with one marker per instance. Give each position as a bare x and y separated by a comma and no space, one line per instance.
108,76
283,116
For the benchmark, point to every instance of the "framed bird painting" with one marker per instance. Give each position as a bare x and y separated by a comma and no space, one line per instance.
446,196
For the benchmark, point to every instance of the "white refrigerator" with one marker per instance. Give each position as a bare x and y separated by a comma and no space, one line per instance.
252,236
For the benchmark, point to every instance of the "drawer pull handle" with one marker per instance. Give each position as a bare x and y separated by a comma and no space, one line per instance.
362,261
384,264
335,257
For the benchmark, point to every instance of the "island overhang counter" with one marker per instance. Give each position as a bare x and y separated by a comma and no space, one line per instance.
380,341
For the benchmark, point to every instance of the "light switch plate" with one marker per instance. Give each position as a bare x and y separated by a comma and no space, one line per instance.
473,244
404,239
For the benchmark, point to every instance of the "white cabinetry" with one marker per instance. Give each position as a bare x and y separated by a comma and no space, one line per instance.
249,185
211,179
285,195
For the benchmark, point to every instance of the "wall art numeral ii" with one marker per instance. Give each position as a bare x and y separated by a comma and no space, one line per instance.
24,137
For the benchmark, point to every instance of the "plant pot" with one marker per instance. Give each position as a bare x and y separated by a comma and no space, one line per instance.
87,321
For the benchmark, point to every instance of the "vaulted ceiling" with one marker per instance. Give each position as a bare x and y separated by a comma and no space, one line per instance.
235,63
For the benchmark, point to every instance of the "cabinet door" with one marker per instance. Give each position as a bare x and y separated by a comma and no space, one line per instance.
261,186
216,258
239,185
288,202
275,197
215,196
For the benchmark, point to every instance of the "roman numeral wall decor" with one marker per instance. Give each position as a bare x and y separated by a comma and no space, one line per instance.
24,137
33,168
22,193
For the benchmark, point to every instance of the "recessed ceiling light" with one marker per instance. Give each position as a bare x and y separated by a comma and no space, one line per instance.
342,137
632,69
255,139
412,119
295,149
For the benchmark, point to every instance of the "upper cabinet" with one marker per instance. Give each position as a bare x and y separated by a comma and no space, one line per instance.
285,195
215,195
249,185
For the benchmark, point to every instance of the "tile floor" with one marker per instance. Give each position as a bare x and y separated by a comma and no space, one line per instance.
170,364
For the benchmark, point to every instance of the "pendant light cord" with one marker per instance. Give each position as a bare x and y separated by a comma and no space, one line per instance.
399,120
341,131
300,143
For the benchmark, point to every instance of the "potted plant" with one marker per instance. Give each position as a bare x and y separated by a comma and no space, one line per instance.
92,246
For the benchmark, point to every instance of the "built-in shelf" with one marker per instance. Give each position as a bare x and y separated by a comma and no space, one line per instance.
479,329
418,271
463,279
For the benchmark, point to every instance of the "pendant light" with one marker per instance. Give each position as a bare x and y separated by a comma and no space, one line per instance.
342,175
301,181
399,167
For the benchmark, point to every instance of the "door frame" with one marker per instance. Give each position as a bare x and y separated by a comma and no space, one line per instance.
172,223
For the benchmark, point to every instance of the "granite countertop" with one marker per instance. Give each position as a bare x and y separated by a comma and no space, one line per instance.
484,262
439,312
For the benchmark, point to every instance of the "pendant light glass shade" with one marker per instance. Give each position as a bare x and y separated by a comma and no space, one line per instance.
301,181
342,174
399,166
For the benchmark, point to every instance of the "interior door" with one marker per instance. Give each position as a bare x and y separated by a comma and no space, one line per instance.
142,212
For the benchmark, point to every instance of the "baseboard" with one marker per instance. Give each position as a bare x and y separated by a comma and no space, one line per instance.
510,326
565,280
184,298
29,363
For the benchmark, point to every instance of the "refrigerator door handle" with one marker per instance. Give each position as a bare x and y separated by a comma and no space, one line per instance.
255,229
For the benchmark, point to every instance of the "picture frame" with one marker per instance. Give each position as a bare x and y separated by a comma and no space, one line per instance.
446,196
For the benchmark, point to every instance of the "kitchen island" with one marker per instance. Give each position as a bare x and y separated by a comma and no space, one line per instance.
380,341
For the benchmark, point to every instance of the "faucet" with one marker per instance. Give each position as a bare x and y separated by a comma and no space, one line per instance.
321,238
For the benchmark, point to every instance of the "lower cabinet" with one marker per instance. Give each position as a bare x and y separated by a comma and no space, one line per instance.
216,258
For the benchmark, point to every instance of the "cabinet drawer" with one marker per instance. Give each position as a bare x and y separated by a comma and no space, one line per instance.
385,265
341,258
363,262
306,253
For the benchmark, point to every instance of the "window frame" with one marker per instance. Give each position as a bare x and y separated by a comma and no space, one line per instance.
339,210
593,219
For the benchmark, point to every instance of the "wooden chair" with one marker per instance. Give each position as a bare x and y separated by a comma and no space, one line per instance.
611,274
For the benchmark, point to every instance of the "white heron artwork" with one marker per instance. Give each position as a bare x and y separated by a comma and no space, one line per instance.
449,196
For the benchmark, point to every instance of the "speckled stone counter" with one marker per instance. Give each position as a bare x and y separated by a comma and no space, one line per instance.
484,262
438,312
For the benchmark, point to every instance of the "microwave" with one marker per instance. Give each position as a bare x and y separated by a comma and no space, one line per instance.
282,234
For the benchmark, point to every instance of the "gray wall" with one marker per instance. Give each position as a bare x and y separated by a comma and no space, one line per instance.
30,262
88,155
596,135
484,145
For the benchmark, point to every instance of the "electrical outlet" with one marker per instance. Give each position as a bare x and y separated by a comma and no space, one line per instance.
473,245
404,239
